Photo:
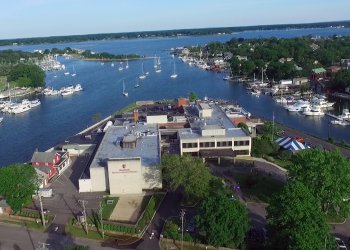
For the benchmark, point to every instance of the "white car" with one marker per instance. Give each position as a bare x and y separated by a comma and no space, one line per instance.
340,244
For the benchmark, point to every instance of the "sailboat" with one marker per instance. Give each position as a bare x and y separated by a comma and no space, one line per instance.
174,75
124,91
127,64
157,66
137,83
121,66
143,75
74,73
112,64
155,62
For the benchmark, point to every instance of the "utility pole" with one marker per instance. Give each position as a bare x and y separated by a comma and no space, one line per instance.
43,246
83,202
103,231
182,215
42,210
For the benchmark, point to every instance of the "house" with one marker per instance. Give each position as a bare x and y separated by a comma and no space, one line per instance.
345,63
314,46
51,162
4,207
300,80
332,70
242,58
183,102
318,73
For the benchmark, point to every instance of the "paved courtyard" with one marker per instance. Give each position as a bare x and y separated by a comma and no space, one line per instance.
128,208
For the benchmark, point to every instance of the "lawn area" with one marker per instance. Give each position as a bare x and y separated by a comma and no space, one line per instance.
80,232
107,209
257,188
129,107
283,163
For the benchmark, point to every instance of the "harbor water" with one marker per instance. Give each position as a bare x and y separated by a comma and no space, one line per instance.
60,117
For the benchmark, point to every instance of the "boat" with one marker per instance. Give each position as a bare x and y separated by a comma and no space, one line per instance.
300,105
126,94
67,90
340,122
1,119
137,84
313,111
143,75
66,73
74,73
174,75
21,108
55,92
158,70
127,64
78,88
112,64
121,68
321,101
47,91
34,103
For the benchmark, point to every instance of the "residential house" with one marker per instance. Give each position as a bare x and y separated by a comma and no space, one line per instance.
318,73
4,207
242,58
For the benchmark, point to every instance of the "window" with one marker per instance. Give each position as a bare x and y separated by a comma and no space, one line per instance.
189,145
224,143
242,143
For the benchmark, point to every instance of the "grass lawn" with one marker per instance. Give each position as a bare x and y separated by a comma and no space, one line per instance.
129,107
283,163
80,232
257,188
108,208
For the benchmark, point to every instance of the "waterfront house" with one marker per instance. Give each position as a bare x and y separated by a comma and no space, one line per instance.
300,80
318,73
57,161
242,58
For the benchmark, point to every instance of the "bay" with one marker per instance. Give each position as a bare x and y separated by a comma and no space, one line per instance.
60,117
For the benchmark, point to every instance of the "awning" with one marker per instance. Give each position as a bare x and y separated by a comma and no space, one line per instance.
290,144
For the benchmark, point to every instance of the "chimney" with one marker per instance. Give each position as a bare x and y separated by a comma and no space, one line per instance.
136,115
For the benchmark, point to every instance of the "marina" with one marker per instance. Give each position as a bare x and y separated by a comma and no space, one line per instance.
59,117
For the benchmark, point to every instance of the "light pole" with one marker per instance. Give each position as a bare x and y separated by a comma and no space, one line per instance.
103,231
182,215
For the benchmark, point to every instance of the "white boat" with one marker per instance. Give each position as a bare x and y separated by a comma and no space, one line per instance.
67,92
112,64
174,75
143,75
127,64
313,111
74,73
78,88
47,91
322,102
281,100
300,105
126,94
121,67
35,103
340,122
66,73
137,84
226,77
20,108
158,70
55,92
1,119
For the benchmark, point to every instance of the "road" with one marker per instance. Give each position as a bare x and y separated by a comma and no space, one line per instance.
14,237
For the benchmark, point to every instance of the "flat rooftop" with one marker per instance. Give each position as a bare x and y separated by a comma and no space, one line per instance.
147,144
218,120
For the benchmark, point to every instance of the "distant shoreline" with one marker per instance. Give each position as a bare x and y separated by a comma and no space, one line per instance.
168,33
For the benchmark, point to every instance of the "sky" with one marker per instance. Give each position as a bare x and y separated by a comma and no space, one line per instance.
37,18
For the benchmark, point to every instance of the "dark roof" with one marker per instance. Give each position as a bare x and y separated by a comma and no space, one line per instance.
43,156
43,169
205,153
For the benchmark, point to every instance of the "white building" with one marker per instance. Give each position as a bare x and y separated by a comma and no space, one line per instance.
213,135
126,161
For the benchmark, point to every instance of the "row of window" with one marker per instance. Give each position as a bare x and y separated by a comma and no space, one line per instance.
212,144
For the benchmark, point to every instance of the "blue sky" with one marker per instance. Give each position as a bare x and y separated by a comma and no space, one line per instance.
33,18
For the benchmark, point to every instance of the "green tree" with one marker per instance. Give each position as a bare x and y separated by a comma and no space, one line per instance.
295,220
77,247
30,71
193,96
244,126
18,184
342,78
327,175
224,221
186,172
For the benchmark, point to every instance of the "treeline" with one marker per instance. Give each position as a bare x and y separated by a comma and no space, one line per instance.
89,54
281,58
166,33
19,68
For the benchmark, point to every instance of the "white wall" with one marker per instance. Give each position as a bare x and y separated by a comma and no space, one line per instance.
151,177
98,179
84,185
154,119
125,176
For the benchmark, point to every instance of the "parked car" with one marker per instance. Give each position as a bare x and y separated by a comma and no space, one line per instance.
341,245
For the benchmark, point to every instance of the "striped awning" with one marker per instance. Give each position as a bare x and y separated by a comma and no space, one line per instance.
290,144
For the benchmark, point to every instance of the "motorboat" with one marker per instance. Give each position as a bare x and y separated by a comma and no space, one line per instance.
66,73
66,92
78,88
313,111
21,108
34,103
1,119
300,105
322,102
341,122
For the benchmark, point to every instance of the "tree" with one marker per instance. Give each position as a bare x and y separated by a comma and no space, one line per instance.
342,78
243,126
30,71
186,172
327,175
295,220
193,96
77,247
224,221
18,184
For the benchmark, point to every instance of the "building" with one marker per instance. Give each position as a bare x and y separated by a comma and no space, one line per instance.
51,163
318,73
4,207
300,80
126,161
213,135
